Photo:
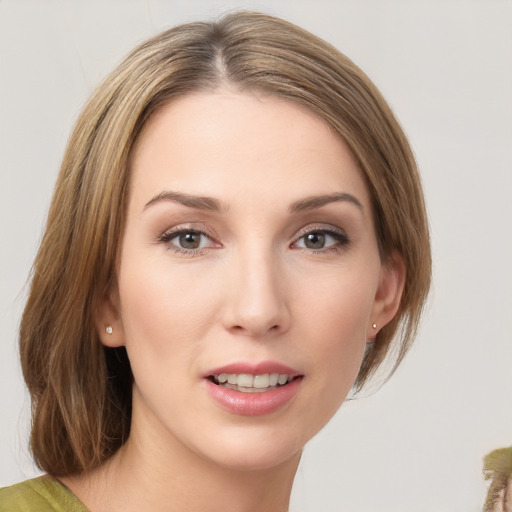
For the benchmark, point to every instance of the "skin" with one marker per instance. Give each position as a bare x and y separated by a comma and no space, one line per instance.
265,283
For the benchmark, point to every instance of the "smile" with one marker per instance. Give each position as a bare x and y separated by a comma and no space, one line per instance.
253,389
247,383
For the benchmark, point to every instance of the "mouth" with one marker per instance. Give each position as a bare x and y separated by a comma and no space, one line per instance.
253,389
249,383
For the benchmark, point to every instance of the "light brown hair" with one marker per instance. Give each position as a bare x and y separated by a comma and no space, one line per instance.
81,391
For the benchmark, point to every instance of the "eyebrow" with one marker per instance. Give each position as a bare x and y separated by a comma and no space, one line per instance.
198,202
314,202
214,205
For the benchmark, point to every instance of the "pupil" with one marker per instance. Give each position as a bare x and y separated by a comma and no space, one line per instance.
190,240
315,241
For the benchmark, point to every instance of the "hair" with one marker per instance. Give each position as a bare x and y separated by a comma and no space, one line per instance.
81,390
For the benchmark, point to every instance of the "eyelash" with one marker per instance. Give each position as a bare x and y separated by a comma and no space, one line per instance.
340,237
166,238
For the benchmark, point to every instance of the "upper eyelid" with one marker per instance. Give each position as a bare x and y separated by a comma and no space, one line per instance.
325,228
189,228
178,231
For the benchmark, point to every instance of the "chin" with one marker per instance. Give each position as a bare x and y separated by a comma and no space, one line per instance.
252,460
247,450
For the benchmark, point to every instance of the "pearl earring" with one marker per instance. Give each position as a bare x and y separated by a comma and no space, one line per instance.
108,329
374,326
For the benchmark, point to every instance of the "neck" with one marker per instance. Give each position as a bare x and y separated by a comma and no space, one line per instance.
191,483
169,477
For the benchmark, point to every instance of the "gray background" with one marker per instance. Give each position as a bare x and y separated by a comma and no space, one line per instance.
446,68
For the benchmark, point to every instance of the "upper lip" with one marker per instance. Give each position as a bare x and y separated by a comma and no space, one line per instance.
260,368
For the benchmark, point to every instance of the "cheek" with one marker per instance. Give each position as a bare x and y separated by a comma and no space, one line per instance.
165,311
338,312
166,316
334,337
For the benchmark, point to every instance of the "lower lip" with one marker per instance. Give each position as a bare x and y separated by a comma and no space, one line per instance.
253,404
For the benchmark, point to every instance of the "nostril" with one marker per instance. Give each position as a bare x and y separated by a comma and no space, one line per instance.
240,328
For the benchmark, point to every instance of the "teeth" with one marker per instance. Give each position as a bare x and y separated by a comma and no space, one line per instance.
282,379
274,377
246,381
261,381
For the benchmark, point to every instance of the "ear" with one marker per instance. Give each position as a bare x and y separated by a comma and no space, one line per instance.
389,293
108,322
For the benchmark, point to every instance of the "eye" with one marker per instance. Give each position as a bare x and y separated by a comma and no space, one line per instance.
190,240
187,240
322,239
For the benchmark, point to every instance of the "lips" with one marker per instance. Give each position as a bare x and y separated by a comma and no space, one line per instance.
253,389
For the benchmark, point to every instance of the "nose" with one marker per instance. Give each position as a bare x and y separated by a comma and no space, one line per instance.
257,304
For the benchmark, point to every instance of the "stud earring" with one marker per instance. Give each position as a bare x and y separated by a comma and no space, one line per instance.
374,326
108,329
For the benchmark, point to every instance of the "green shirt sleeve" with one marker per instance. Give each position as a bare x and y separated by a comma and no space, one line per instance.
42,494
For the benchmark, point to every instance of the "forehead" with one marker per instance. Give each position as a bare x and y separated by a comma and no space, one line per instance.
234,144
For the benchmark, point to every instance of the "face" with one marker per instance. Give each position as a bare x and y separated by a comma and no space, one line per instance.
249,256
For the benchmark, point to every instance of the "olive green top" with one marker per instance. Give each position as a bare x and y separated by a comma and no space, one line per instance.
42,494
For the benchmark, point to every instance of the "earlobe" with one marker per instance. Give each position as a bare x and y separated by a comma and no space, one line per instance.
108,323
389,293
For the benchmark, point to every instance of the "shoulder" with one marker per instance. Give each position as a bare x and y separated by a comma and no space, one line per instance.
42,494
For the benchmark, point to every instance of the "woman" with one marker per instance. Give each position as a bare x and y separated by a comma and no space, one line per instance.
237,237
